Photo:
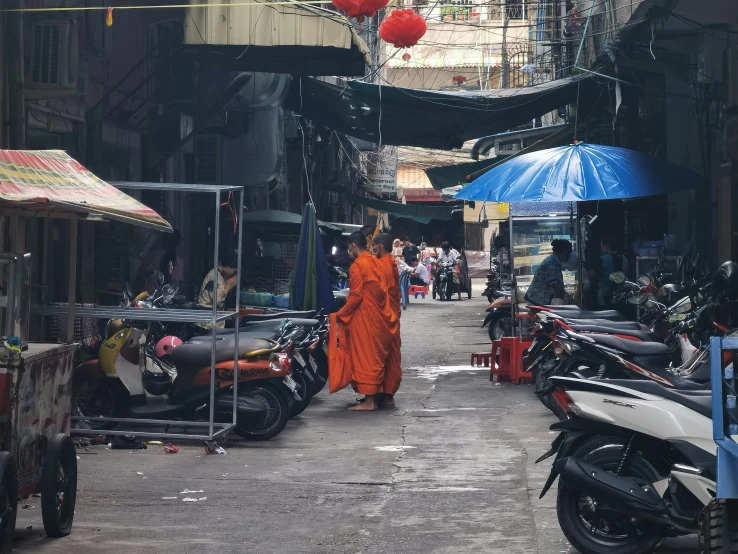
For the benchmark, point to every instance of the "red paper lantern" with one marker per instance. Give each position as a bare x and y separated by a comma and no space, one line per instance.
360,9
403,28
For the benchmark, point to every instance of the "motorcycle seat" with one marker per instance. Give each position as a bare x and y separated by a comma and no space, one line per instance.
645,336
279,315
632,347
578,313
625,325
699,400
198,352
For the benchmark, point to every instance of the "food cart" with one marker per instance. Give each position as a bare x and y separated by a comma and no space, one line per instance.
37,455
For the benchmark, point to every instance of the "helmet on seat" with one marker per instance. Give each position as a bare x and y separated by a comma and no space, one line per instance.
725,280
166,345
156,383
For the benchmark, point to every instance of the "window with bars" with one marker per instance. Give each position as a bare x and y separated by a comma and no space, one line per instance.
515,9
207,159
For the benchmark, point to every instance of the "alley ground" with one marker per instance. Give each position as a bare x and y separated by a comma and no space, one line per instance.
451,470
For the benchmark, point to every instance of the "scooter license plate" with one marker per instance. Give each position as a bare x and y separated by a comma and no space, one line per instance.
300,360
312,363
287,380
325,348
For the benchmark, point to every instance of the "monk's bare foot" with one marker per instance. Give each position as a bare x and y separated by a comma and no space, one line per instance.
387,401
369,404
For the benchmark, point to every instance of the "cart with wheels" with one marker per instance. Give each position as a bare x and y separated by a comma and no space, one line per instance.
719,532
37,455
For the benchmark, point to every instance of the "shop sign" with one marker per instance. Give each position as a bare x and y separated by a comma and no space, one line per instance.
382,177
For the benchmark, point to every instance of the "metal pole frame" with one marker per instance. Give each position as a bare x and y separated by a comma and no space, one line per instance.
215,317
513,280
238,305
724,385
210,424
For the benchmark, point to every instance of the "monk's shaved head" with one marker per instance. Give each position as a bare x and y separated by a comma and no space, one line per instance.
384,240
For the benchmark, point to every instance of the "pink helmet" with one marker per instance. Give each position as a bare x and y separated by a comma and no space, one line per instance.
166,345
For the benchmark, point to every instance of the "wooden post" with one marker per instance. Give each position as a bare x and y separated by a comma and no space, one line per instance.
72,280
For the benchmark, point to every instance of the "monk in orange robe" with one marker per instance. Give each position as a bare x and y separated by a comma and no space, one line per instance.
391,274
361,334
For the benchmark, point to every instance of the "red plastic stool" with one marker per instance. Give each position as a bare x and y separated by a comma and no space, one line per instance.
508,356
415,290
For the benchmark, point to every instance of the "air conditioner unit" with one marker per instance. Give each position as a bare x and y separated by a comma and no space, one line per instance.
54,55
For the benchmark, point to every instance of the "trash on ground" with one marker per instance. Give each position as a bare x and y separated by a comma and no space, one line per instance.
154,443
169,448
169,498
220,450
126,442
188,491
189,499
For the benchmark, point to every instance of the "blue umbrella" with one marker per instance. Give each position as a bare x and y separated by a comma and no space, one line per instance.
310,284
576,173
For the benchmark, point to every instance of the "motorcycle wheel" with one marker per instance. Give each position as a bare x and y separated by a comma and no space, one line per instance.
500,327
434,290
541,381
608,530
719,530
59,486
94,396
298,406
278,412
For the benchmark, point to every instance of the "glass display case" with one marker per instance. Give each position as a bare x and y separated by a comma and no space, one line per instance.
531,244
15,295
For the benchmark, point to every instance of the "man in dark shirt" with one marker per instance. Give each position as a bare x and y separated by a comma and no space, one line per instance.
410,251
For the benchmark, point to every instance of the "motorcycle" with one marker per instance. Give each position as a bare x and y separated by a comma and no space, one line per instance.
635,462
443,285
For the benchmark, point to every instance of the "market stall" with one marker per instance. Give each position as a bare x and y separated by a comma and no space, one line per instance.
36,452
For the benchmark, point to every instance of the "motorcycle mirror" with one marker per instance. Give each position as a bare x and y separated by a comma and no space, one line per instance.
643,280
673,318
617,277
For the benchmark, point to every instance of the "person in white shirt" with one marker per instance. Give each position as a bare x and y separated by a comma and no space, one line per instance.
448,254
419,275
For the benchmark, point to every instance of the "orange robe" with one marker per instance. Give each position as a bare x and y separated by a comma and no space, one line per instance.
361,334
393,371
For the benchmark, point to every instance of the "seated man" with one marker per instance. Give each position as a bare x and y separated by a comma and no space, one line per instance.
419,275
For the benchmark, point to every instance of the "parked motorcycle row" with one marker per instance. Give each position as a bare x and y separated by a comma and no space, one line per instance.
635,456
159,370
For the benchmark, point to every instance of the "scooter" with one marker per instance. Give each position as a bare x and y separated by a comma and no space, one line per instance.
128,380
443,284
635,462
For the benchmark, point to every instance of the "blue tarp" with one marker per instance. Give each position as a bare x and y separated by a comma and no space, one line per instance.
576,173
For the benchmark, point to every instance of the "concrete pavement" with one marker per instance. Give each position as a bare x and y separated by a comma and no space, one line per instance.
449,471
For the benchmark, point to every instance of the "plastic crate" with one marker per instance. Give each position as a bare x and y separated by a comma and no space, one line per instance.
282,301
256,299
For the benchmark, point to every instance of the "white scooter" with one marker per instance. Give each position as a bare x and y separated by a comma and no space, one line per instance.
635,460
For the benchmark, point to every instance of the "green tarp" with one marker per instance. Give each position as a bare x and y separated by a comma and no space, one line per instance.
429,119
421,214
446,176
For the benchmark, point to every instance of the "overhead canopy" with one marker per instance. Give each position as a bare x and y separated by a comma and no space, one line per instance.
430,119
50,183
446,176
579,172
276,38
279,217
421,214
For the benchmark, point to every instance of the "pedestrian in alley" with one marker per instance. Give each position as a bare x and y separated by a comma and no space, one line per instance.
392,369
410,251
362,332
397,248
547,286
419,275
